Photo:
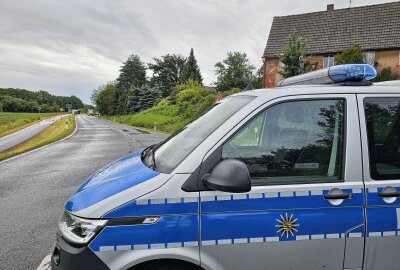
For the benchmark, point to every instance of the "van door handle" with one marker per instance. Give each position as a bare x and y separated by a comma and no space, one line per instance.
342,196
388,194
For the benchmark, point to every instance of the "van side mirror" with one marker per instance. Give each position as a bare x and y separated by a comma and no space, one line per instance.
230,175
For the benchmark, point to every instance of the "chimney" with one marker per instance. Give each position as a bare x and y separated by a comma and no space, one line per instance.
330,7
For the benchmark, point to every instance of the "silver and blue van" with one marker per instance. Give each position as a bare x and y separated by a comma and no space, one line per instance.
303,176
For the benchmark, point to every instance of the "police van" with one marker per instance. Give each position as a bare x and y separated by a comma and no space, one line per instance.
304,176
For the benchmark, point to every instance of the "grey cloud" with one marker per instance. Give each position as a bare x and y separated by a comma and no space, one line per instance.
71,47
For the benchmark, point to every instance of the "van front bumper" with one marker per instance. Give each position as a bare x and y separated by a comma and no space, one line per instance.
65,257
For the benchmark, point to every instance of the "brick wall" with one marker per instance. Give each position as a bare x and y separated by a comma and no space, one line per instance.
388,59
318,60
383,58
270,72
272,76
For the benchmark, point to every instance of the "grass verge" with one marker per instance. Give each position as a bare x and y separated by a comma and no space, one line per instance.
12,122
52,133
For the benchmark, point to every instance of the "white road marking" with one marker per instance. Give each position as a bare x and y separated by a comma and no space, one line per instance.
45,264
125,134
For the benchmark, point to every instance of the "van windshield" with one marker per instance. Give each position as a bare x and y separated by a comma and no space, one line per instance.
173,150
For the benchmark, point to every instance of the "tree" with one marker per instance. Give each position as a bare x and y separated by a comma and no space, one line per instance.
133,104
28,101
87,107
257,82
75,101
132,73
191,70
95,95
43,97
234,72
294,57
351,55
143,97
167,72
149,96
104,98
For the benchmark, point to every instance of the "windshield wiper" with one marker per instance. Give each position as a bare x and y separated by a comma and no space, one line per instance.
150,151
153,159
146,151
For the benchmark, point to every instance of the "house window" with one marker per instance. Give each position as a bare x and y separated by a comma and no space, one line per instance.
369,58
329,60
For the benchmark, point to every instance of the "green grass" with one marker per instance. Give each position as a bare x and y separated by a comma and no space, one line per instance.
166,117
167,124
12,122
52,133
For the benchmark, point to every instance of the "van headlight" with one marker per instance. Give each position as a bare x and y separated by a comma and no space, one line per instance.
79,230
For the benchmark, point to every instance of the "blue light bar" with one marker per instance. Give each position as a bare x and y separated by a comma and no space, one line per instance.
335,74
354,72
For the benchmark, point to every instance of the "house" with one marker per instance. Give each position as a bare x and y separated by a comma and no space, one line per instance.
376,29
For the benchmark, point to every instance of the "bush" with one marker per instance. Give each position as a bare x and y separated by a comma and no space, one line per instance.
38,98
385,75
12,104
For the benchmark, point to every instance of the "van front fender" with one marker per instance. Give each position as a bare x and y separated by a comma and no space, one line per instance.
127,259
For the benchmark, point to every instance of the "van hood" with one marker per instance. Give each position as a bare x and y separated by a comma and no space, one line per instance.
114,178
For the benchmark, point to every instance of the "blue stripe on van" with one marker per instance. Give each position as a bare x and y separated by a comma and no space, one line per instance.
161,207
264,224
374,200
178,230
382,219
229,228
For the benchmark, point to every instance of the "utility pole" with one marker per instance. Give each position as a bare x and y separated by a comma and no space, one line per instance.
350,3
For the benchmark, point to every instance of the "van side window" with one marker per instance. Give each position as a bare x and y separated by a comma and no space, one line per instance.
383,132
292,142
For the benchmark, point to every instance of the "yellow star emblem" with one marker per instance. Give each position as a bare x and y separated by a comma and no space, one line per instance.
287,225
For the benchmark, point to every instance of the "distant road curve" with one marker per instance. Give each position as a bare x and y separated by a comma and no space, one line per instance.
22,135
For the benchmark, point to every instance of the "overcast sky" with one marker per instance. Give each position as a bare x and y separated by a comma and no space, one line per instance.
71,47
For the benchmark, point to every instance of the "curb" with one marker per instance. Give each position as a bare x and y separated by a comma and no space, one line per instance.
44,146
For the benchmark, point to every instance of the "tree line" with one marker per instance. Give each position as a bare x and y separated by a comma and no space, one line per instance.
133,91
22,100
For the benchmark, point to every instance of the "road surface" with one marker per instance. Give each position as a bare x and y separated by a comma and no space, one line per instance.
35,186
22,135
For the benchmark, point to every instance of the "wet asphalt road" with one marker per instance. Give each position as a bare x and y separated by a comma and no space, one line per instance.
22,135
35,186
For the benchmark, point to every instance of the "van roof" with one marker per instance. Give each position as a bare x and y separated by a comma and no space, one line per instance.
389,87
